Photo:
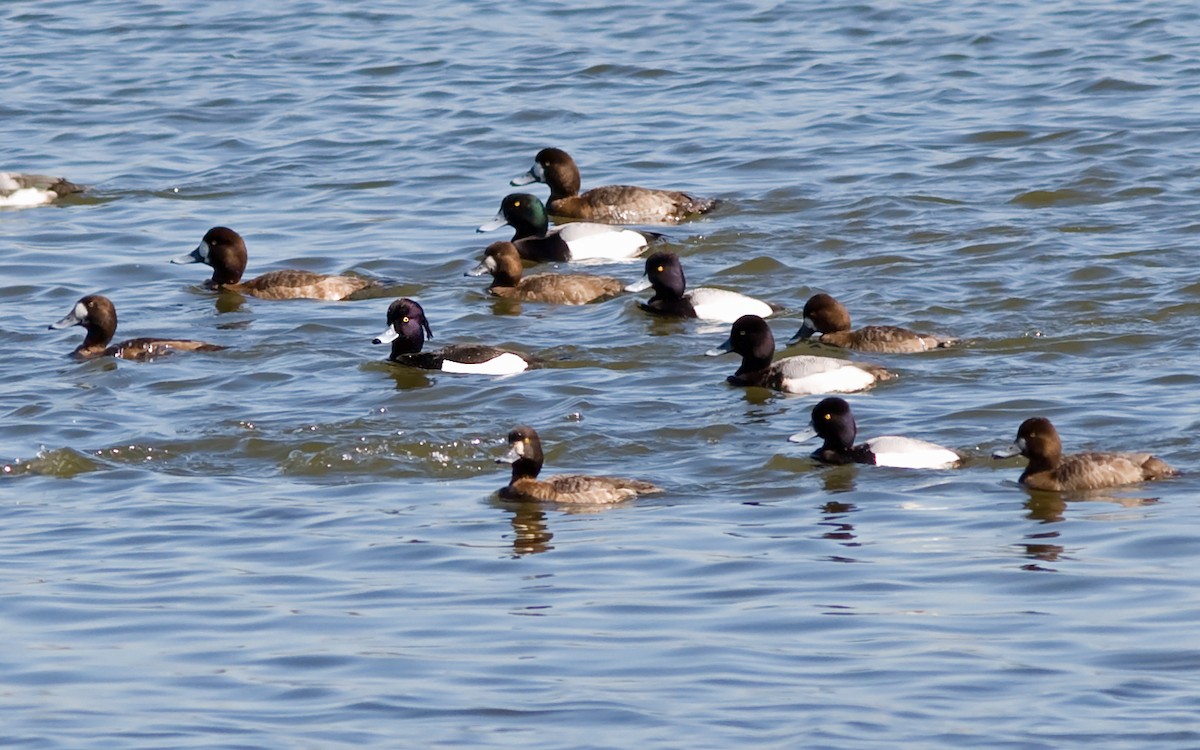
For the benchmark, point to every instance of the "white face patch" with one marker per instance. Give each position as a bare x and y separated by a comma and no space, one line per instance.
202,251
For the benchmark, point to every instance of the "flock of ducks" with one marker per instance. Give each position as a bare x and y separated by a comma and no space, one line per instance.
592,232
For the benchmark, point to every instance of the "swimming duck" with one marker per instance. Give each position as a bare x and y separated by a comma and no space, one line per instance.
751,337
833,422
98,316
611,204
225,250
665,273
406,331
503,262
577,241
525,455
825,315
1051,471
20,190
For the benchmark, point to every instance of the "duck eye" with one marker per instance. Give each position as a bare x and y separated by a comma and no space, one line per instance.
516,203
660,269
828,416
405,320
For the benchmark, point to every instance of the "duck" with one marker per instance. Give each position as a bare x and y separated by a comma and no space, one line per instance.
833,422
406,331
525,455
825,315
664,272
751,337
503,261
225,251
611,204
577,241
98,316
1049,470
19,190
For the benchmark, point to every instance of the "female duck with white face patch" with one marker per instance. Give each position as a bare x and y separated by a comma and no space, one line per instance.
664,272
577,241
225,251
406,331
1051,471
833,422
525,455
98,316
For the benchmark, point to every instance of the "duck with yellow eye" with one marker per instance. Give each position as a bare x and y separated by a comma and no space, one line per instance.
833,422
406,331
577,241
98,316
1051,471
525,455
671,297
751,337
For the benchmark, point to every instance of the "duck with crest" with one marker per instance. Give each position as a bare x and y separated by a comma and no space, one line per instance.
406,332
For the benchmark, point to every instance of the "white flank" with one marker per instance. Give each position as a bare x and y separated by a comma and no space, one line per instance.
725,306
910,453
590,241
506,364
27,197
807,374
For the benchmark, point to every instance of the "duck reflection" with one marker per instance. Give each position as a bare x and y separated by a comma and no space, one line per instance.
530,535
837,528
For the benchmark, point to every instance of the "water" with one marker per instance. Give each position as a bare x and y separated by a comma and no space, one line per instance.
294,544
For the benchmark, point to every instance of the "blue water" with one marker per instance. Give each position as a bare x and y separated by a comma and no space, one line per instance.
292,543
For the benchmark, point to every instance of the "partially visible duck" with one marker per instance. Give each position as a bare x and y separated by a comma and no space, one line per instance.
576,241
19,190
1051,471
833,422
503,262
525,455
98,316
665,273
225,251
610,204
406,331
751,337
825,315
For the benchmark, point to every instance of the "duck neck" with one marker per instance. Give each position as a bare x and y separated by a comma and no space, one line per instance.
525,468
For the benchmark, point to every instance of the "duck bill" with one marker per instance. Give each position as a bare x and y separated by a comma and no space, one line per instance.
639,285
72,318
511,457
494,224
724,348
529,177
389,335
195,256
1013,450
486,266
802,437
806,331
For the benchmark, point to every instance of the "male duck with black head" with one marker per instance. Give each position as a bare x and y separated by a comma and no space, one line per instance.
825,315
406,332
1049,470
671,297
503,262
751,337
525,455
833,422
98,316
225,251
577,241
610,204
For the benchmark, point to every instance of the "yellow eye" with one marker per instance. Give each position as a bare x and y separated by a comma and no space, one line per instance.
828,417
660,269
516,203
405,319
